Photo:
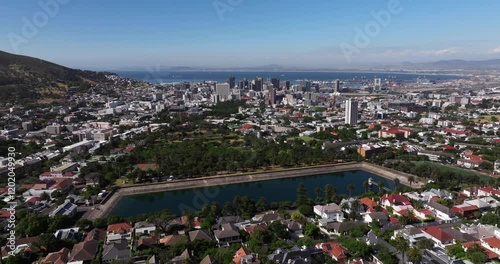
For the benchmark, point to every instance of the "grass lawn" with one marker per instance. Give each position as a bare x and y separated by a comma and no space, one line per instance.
306,138
486,118
459,171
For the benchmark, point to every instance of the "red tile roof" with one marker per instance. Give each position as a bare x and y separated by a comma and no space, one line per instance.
332,248
368,202
492,242
239,254
396,198
438,233
491,254
120,228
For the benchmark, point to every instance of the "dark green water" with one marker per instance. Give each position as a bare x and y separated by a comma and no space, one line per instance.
273,190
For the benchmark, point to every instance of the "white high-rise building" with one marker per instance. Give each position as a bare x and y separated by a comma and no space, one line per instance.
223,91
351,112
377,85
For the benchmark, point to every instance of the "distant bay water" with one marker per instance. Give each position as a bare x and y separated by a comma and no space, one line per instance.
222,76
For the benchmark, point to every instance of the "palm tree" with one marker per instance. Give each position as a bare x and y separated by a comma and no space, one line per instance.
411,179
345,206
402,245
366,185
350,188
414,255
380,186
396,183
355,205
318,193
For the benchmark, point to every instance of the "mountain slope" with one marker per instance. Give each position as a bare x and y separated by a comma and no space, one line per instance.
24,79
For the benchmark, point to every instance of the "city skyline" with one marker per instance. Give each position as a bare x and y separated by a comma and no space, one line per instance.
222,33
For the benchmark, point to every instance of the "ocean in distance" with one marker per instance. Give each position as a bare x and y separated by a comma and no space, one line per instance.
222,76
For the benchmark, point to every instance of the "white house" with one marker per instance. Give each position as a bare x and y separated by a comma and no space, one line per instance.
329,211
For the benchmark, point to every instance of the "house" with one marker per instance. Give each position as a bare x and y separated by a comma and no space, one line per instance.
440,238
424,214
68,234
96,234
496,167
487,191
227,234
397,132
329,211
251,228
67,209
145,243
457,235
333,249
442,212
412,234
368,203
116,251
470,161
491,255
396,201
294,227
492,244
195,223
92,179
340,228
22,245
144,227
228,220
466,210
172,240
184,257
483,204
84,252
208,260
59,257
118,232
267,217
380,217
200,235
244,256
350,202
296,255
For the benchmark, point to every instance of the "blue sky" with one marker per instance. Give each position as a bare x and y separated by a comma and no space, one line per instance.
224,33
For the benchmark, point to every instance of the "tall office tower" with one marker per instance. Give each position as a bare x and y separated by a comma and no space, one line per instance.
287,85
223,91
232,82
337,86
377,85
351,112
258,85
272,96
275,82
306,86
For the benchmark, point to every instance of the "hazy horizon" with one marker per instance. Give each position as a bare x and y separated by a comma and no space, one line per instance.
238,33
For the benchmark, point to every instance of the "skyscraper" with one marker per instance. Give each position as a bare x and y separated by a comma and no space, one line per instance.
377,85
337,86
223,91
351,112
275,82
272,96
232,82
258,84
287,85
